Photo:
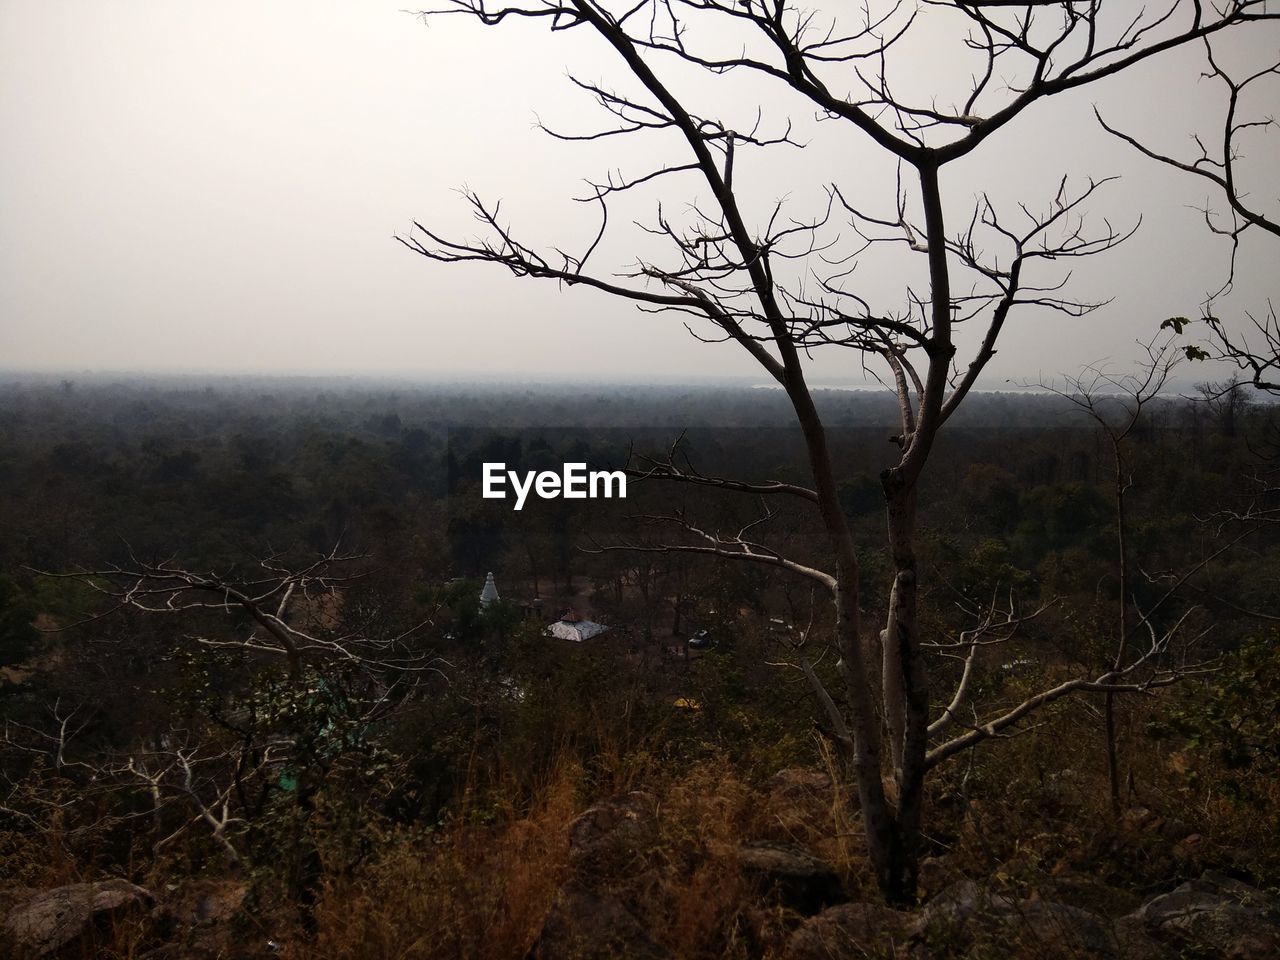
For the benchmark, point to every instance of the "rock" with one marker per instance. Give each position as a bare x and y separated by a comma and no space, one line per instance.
934,875
11,897
1189,847
1048,923
1175,829
1138,818
1089,892
196,917
849,930
200,904
798,781
613,840
585,925
610,848
1217,915
1133,942
798,880
957,903
68,918
966,910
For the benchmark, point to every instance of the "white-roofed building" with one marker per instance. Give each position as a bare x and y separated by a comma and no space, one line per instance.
574,628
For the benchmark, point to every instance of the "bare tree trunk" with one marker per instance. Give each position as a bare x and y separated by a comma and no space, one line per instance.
892,695
533,569
893,850
907,698
1109,703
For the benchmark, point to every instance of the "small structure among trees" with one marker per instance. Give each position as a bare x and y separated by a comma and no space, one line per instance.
570,626
489,593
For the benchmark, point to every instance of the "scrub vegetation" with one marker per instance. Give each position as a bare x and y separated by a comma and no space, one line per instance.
320,723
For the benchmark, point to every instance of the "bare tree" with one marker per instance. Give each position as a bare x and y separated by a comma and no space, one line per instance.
1116,404
1228,401
1258,354
339,678
292,612
1219,161
204,781
782,285
1119,404
1255,351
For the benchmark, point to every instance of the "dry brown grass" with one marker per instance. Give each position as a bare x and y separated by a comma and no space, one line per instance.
1030,815
475,890
482,891
699,904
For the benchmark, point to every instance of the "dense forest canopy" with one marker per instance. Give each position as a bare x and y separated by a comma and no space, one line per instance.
478,705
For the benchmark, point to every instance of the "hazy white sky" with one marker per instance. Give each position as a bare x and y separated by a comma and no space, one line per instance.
215,187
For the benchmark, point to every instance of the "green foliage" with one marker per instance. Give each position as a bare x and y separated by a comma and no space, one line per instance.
861,495
1058,517
17,636
1195,353
990,495
1236,722
62,597
1178,325
988,566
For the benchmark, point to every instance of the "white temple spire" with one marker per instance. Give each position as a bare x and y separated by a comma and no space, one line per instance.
490,592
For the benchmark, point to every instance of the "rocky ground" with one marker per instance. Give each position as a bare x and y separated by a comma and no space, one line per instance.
1214,916
609,902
